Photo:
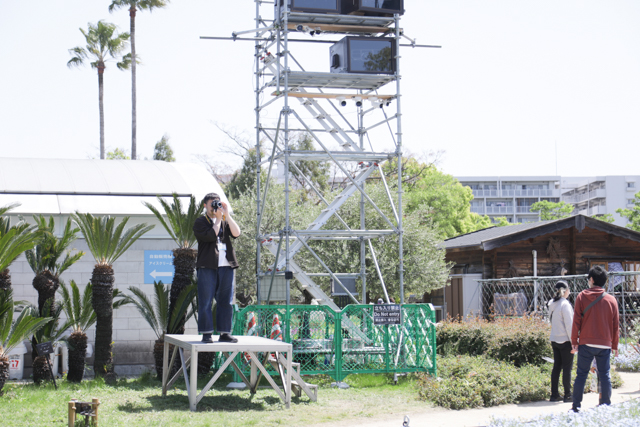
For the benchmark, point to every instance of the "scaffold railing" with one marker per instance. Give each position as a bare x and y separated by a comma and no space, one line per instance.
323,345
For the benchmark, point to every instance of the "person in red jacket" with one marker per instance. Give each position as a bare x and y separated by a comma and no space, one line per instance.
594,334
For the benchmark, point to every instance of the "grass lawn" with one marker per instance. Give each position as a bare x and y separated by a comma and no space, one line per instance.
139,402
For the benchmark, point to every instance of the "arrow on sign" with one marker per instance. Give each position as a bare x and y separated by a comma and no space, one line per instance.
155,274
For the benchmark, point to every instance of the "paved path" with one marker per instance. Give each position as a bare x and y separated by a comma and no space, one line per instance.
439,417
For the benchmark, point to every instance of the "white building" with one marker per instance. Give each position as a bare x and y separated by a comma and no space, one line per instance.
601,194
105,187
511,197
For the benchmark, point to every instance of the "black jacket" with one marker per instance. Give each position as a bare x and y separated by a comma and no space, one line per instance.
208,243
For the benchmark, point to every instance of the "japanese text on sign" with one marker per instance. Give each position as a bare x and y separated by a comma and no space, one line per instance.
387,314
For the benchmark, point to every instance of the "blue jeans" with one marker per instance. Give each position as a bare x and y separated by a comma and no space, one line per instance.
585,357
216,284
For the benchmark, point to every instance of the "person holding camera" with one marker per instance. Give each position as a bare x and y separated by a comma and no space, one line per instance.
214,265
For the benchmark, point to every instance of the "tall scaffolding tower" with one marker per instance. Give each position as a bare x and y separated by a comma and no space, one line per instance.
310,101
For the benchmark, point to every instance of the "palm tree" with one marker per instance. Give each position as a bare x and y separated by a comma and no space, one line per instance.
13,332
133,5
81,316
13,242
107,242
158,316
102,43
50,332
43,259
179,225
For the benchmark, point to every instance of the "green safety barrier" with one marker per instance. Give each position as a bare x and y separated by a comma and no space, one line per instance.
344,342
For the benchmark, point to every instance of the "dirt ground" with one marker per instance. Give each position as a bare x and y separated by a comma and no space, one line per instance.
439,417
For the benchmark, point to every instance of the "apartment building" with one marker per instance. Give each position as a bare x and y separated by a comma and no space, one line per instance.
510,196
601,194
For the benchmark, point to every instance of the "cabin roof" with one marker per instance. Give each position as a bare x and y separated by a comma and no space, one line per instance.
494,237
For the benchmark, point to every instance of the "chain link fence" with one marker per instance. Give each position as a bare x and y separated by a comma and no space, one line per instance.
344,342
530,295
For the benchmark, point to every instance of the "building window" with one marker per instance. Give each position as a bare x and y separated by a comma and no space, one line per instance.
631,185
631,201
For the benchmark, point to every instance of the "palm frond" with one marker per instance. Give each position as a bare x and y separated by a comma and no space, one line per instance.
45,255
15,242
79,311
106,241
185,300
178,224
146,309
14,332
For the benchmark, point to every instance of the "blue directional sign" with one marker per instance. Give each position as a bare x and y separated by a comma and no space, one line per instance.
158,265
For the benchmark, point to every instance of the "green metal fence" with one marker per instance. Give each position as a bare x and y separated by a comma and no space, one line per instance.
345,342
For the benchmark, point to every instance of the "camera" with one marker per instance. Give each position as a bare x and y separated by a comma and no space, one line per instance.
216,204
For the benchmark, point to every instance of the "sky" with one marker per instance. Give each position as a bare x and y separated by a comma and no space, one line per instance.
525,87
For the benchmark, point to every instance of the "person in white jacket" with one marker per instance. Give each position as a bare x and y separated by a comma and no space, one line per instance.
561,314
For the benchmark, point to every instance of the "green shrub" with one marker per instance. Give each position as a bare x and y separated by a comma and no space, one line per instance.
521,341
463,337
474,381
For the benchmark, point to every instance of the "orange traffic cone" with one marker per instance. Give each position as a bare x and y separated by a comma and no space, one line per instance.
276,330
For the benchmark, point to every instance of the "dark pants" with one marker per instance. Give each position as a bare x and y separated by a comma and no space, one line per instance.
585,358
562,361
216,284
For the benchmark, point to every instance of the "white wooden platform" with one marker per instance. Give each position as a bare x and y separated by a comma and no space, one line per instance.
246,344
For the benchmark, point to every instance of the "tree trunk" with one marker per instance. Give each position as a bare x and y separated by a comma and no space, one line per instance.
132,15
5,280
77,352
184,262
4,372
101,107
41,371
46,284
102,301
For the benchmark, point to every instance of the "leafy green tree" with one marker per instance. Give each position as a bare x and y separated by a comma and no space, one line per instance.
605,217
502,221
449,201
273,218
309,172
45,256
552,210
117,154
13,332
179,225
107,242
133,6
244,180
103,43
157,314
633,214
424,264
163,150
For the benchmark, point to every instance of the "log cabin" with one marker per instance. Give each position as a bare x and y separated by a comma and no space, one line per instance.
564,246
